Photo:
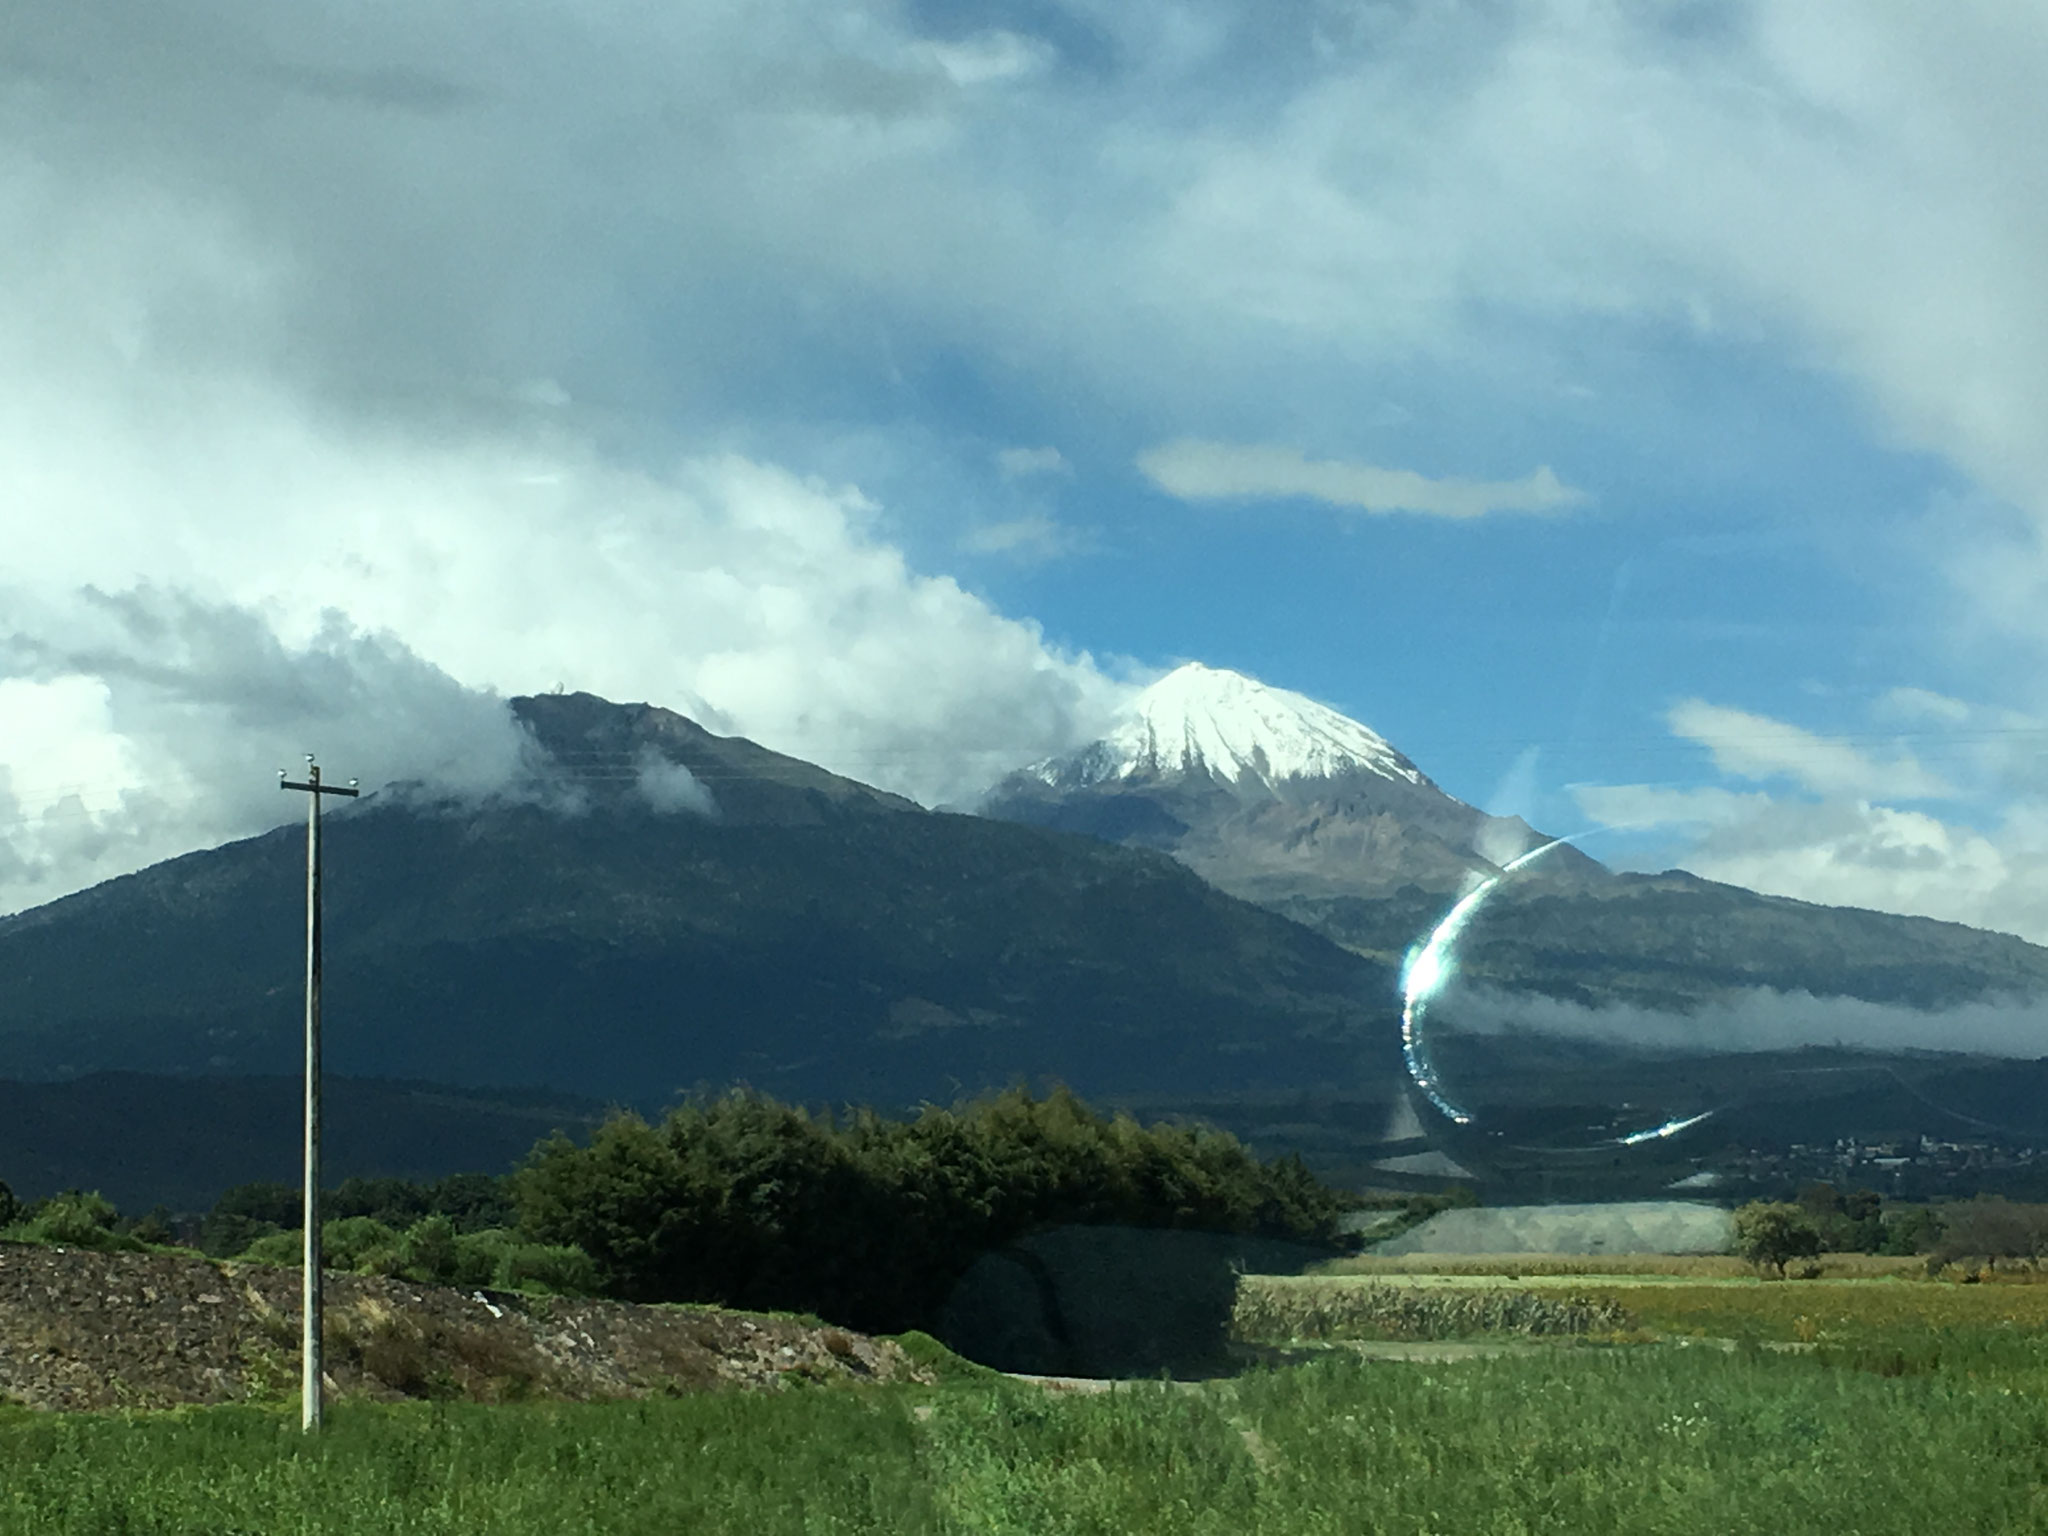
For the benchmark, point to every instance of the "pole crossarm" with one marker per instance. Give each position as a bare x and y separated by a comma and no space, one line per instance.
311,1393
316,787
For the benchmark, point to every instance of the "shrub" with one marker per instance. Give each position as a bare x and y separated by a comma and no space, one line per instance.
154,1228
394,1203
361,1243
275,1204
282,1248
227,1235
500,1259
428,1251
473,1202
76,1219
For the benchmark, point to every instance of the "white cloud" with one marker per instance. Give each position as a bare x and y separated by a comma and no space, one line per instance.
1019,463
990,56
1758,747
724,588
1985,864
1920,704
1201,471
1661,805
1852,854
1031,538
146,723
670,787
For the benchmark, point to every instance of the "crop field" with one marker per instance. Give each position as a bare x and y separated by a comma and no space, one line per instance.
1705,1266
1715,1405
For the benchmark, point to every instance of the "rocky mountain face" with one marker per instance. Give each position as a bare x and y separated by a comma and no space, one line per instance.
662,908
1270,796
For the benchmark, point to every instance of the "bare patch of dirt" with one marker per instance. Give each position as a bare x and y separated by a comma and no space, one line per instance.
80,1329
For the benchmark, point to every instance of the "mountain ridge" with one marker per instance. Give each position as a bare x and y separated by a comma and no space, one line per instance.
763,921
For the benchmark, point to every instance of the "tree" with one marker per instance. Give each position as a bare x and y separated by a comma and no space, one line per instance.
10,1208
1915,1229
1849,1221
1769,1232
1990,1228
155,1228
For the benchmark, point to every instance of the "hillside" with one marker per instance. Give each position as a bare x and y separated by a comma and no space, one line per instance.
178,1141
664,908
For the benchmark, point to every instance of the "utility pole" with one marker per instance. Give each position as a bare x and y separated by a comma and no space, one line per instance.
309,1212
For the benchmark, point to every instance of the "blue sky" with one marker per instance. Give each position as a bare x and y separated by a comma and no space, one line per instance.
1630,410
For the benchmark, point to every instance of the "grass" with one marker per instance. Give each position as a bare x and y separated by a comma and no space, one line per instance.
1919,1406
822,1462
1666,1441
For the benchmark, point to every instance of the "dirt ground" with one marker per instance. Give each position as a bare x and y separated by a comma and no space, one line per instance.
85,1330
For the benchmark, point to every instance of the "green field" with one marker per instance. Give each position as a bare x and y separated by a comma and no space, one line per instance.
1902,1407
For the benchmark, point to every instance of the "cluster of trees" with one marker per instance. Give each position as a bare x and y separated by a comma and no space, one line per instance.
1856,1221
1987,1230
1824,1219
1990,1228
754,1203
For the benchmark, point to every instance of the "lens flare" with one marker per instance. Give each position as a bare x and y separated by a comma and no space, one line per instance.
1659,1132
1431,965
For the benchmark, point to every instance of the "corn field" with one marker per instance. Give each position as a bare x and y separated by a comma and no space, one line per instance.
1269,1313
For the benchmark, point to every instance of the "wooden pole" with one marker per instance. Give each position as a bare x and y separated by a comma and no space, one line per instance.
311,1311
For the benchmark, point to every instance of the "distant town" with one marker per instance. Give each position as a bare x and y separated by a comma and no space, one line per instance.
1916,1168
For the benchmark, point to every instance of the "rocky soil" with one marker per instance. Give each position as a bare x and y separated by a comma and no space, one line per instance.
85,1330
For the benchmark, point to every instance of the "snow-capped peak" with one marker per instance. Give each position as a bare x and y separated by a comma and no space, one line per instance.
1199,718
